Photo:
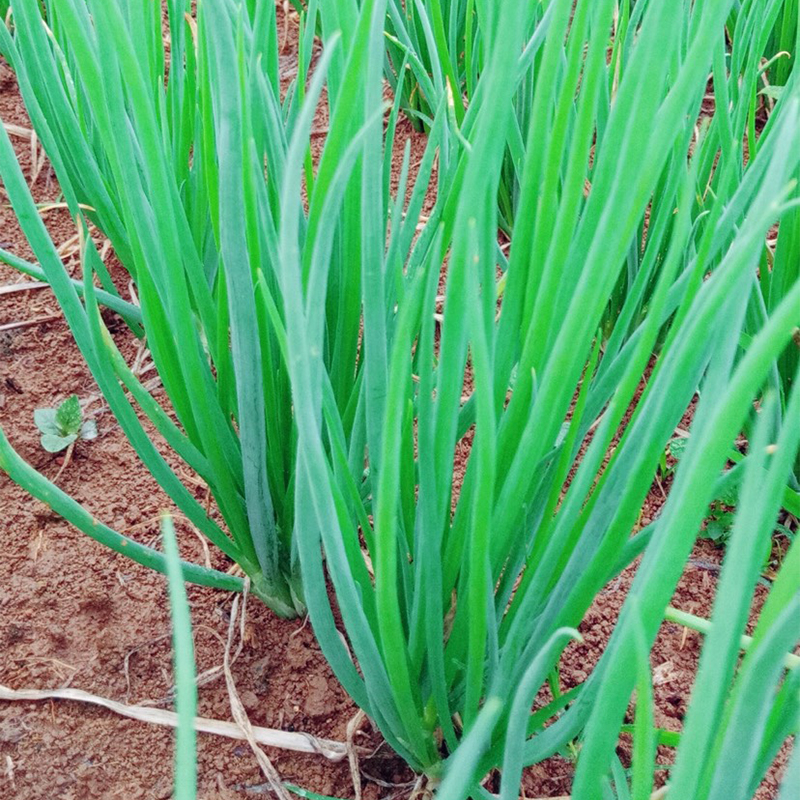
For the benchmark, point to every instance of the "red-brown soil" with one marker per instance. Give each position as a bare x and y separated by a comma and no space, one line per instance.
73,613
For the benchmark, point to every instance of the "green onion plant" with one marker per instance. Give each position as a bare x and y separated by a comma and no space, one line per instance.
328,352
137,156
181,167
434,41
458,615
764,44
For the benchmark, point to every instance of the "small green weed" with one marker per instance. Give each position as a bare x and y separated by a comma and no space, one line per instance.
722,510
719,524
64,425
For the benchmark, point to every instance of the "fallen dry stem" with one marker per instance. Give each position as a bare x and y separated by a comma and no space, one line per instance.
26,286
237,707
352,753
29,323
268,737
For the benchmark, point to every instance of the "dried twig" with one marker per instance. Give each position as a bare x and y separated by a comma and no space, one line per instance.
10,772
26,286
268,737
352,754
65,463
18,131
237,708
29,323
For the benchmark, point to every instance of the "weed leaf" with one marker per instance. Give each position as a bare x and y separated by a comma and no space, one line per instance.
89,430
54,443
45,419
68,416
